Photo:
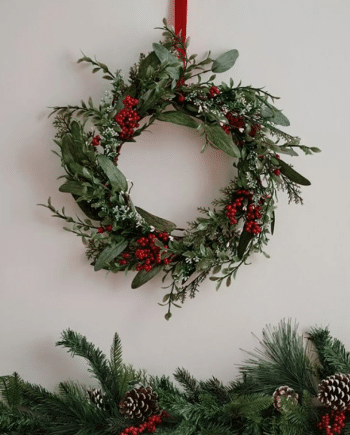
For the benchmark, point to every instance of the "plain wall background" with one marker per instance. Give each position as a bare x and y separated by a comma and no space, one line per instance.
298,50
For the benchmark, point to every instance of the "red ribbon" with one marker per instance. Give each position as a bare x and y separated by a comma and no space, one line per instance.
181,18
180,26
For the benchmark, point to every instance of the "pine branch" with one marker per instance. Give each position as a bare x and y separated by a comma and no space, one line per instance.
116,353
188,382
16,422
331,352
282,360
10,389
320,337
97,361
215,388
248,405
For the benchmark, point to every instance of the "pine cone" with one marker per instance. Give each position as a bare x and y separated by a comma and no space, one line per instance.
286,392
95,396
139,403
334,391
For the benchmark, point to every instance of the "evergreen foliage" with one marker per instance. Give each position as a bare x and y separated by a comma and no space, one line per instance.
332,354
241,121
194,407
282,359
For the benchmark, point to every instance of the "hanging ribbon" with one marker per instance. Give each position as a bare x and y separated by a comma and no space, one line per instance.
181,18
180,31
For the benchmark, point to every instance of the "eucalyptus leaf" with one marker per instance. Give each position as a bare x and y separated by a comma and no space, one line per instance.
293,175
273,222
225,61
74,187
220,139
164,54
142,276
274,115
280,119
67,155
80,170
114,175
72,149
179,118
243,243
109,254
75,130
156,221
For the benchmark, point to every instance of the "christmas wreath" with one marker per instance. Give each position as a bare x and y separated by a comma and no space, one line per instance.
167,85
286,387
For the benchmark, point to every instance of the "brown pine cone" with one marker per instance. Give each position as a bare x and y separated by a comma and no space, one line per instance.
139,403
334,391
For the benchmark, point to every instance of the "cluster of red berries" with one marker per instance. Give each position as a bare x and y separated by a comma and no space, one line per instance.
338,418
226,128
108,228
254,129
252,215
148,254
235,121
128,118
124,259
213,92
150,425
96,141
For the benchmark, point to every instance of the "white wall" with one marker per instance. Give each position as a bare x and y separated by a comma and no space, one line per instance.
299,50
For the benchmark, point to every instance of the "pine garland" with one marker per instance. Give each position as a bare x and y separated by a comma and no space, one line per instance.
239,120
244,406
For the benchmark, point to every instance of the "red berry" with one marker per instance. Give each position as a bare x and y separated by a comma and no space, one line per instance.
181,99
277,172
109,227
101,230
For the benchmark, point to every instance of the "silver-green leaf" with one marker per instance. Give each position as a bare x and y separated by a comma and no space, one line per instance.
225,61
142,276
109,254
179,118
114,175
220,139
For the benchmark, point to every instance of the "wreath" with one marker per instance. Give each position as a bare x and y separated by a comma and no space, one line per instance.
239,120
281,389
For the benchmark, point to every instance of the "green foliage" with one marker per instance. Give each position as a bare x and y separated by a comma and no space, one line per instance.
170,85
332,354
109,254
194,407
188,382
282,360
142,276
156,221
179,118
293,175
216,136
114,175
225,61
